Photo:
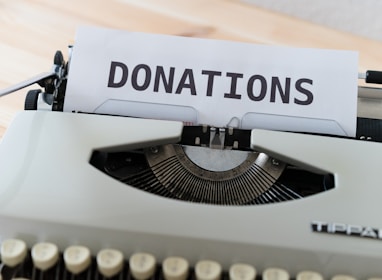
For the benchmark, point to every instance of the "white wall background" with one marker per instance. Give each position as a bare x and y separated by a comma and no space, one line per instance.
360,17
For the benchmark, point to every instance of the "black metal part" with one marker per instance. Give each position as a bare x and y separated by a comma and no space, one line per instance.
373,77
31,99
47,98
60,83
369,129
58,58
54,86
200,136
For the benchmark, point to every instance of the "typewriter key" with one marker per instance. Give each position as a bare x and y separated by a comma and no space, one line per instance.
309,275
175,268
275,274
142,266
44,255
109,262
13,252
242,271
208,270
77,259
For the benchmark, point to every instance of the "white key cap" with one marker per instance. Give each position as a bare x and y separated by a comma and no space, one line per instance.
142,266
44,255
13,252
275,274
208,270
109,262
241,271
77,258
309,275
175,268
343,277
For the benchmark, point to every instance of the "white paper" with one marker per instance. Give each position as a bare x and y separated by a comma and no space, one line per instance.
213,82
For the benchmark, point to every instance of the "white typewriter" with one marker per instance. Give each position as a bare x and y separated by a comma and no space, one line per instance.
90,196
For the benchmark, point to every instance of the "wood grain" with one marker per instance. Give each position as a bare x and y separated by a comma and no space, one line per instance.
32,30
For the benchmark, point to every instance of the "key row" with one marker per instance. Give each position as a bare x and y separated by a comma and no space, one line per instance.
142,266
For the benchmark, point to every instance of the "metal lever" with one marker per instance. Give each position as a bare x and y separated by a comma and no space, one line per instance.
217,138
39,79
49,80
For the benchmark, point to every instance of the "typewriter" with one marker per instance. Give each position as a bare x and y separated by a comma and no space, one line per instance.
90,196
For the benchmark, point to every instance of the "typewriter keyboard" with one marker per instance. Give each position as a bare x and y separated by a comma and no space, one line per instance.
44,261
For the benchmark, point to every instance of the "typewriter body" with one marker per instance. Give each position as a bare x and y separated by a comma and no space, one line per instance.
294,201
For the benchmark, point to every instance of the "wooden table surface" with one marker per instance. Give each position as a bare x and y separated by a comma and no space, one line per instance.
32,30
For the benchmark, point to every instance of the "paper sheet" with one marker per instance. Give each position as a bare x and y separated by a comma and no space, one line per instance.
213,82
